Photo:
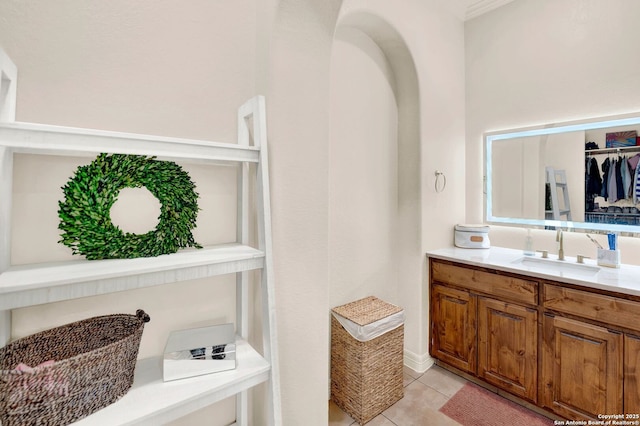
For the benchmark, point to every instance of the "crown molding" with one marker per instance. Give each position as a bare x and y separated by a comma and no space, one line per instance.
478,7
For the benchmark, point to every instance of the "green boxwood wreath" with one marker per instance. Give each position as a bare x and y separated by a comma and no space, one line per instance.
84,214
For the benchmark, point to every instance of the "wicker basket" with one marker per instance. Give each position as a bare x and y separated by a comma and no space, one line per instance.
366,377
94,361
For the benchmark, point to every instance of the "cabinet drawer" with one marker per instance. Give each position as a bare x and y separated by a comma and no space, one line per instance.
608,309
512,288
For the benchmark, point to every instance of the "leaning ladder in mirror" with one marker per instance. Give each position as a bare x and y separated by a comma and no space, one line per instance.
557,179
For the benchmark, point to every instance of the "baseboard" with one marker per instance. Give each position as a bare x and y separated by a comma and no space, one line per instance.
416,362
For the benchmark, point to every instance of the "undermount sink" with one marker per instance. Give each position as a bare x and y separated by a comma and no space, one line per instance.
558,267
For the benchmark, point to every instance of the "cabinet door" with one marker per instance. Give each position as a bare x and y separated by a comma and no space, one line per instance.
453,327
631,374
508,347
581,369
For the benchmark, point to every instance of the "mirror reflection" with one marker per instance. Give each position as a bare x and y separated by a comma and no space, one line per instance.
578,175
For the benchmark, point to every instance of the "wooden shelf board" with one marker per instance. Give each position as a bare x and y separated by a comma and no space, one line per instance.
152,401
34,284
57,140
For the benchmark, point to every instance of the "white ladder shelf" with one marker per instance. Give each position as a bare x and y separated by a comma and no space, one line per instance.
152,401
557,180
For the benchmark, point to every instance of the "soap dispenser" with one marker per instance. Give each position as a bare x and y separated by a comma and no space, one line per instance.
528,245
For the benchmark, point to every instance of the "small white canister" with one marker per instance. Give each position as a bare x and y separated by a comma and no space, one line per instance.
471,236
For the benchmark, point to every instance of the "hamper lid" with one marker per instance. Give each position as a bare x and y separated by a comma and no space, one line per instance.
367,310
472,228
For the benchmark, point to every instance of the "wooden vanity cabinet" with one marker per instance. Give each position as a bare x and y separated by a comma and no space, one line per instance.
454,331
481,324
565,348
631,371
507,346
601,342
581,368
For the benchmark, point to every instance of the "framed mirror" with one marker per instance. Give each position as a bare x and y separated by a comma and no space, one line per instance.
581,175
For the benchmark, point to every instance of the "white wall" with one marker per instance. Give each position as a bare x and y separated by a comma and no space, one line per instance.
298,101
543,61
363,179
297,89
384,69
516,178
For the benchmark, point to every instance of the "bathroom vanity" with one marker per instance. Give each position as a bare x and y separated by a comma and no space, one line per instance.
561,336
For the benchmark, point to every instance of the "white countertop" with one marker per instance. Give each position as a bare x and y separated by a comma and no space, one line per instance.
625,279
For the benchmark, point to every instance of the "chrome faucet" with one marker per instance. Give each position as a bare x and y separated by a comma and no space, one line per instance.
559,239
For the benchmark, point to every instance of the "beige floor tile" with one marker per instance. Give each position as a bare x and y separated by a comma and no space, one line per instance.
418,406
407,379
337,417
380,421
442,380
440,419
407,371
426,417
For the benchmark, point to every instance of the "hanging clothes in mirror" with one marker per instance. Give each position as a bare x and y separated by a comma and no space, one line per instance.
606,165
593,183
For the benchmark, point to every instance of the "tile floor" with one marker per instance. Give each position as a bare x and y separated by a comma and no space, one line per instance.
424,394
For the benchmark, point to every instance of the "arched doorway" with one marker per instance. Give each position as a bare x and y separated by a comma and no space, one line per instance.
374,170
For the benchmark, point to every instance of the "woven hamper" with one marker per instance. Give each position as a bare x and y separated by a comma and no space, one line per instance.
93,365
366,377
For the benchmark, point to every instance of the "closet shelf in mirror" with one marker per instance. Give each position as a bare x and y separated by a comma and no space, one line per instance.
617,150
608,217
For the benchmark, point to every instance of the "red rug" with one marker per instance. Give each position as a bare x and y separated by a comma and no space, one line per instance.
475,406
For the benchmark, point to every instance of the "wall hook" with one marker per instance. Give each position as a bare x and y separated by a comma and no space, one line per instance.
444,181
